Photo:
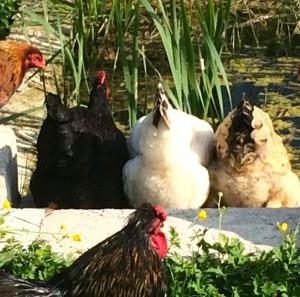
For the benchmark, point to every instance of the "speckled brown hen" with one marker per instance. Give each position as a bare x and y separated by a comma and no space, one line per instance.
127,264
251,165
15,59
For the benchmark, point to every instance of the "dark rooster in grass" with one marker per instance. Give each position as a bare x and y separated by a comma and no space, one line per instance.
15,59
81,154
127,264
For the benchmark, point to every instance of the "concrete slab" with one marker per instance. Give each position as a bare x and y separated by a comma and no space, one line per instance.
256,228
8,165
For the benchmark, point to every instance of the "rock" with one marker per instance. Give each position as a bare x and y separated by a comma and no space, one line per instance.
256,228
8,166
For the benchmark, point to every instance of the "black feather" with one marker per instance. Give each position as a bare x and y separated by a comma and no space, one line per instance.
81,154
239,139
11,286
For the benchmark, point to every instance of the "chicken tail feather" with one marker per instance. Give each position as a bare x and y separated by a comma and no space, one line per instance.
55,108
161,107
239,139
12,286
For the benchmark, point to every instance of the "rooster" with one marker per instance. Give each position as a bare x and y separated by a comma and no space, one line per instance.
81,154
127,264
170,150
15,59
251,167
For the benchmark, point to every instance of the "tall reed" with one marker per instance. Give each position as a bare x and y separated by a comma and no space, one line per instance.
78,49
195,63
127,19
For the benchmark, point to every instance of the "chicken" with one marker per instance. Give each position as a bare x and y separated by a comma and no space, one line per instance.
15,59
81,154
169,150
127,264
251,167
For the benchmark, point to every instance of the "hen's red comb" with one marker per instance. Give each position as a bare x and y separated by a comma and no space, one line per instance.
160,212
101,76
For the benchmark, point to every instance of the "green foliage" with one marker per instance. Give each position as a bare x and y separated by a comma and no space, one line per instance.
223,269
126,15
79,50
195,63
8,8
197,84
37,261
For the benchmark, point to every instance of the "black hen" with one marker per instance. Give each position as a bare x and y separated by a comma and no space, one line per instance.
81,154
127,264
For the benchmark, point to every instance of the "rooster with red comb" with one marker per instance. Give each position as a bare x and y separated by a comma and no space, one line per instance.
127,264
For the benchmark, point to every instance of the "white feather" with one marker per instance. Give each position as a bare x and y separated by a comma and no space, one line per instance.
169,163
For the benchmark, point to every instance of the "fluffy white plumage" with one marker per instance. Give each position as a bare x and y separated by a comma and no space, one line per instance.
168,161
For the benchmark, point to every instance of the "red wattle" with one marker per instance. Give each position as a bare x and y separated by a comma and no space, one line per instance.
159,243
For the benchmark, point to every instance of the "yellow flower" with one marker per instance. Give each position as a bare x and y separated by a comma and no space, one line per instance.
202,215
6,204
282,226
75,237
63,227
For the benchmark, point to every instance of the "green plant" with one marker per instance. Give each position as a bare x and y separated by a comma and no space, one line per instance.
127,15
78,50
195,65
8,9
223,269
37,261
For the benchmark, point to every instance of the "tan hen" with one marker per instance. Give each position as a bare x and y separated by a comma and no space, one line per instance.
251,165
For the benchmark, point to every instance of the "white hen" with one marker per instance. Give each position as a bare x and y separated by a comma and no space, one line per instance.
170,150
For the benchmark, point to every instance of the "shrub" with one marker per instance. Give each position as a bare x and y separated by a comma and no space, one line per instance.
223,269
8,9
37,261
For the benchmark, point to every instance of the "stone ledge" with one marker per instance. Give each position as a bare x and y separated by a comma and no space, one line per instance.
255,227
8,165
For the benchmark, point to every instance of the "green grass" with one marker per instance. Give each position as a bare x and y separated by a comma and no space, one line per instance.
223,269
37,261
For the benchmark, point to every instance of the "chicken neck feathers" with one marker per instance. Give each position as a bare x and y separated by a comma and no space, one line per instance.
11,75
12,67
104,269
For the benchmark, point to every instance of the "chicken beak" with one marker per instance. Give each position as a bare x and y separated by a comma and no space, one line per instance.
43,64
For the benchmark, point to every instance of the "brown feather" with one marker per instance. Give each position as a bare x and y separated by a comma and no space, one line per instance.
13,66
251,166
